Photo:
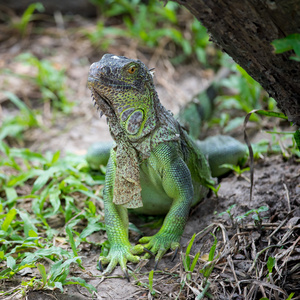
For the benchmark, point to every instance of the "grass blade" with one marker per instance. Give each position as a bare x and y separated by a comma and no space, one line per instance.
9,218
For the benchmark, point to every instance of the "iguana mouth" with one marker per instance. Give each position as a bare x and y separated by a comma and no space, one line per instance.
108,82
102,103
114,83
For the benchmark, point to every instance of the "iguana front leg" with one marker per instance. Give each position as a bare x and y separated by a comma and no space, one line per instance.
177,183
116,222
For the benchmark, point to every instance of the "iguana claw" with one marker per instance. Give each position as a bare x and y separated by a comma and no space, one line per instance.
148,251
157,245
156,264
100,267
175,254
126,275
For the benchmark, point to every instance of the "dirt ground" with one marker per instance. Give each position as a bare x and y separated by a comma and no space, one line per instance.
240,271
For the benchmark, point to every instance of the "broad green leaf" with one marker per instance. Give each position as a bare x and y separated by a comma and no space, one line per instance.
291,42
28,225
71,240
271,263
82,282
193,265
297,138
234,123
151,281
54,199
188,249
9,217
59,285
17,180
28,14
262,209
212,249
186,268
41,180
32,233
291,295
57,269
42,270
61,267
53,251
271,114
88,193
11,263
92,227
69,208
28,155
11,194
10,130
92,207
55,157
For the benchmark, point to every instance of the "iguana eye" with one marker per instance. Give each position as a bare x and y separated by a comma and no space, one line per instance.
132,69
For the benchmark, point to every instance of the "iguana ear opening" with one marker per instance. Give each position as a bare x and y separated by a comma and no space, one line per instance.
152,72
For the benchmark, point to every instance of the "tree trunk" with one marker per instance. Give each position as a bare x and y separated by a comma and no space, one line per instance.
245,30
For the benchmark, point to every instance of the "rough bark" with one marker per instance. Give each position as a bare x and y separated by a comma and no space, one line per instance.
245,30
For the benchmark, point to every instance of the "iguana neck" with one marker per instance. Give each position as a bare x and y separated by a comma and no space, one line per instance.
158,126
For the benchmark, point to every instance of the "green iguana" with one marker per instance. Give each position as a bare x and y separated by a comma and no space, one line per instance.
154,166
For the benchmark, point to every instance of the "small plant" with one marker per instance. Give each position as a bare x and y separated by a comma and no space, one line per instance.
291,42
248,95
21,24
152,25
215,190
290,297
152,291
228,211
255,215
186,259
274,114
50,80
15,126
270,264
208,268
55,184
236,169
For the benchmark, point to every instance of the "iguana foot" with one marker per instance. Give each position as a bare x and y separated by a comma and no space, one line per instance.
120,254
159,244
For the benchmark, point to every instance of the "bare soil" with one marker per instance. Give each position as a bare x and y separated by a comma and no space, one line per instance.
243,248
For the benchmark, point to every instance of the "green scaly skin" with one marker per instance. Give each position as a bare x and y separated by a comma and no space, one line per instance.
154,160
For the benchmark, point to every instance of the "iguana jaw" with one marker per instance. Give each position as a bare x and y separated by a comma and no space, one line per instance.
102,103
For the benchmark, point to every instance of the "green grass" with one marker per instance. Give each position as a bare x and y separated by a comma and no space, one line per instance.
21,23
152,25
55,187
15,125
64,188
50,80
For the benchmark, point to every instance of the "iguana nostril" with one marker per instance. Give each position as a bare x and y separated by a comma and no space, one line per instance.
105,70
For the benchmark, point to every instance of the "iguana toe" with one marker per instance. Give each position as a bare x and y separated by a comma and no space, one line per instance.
119,255
157,245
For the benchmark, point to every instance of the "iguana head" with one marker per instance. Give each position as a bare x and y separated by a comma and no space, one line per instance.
123,88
